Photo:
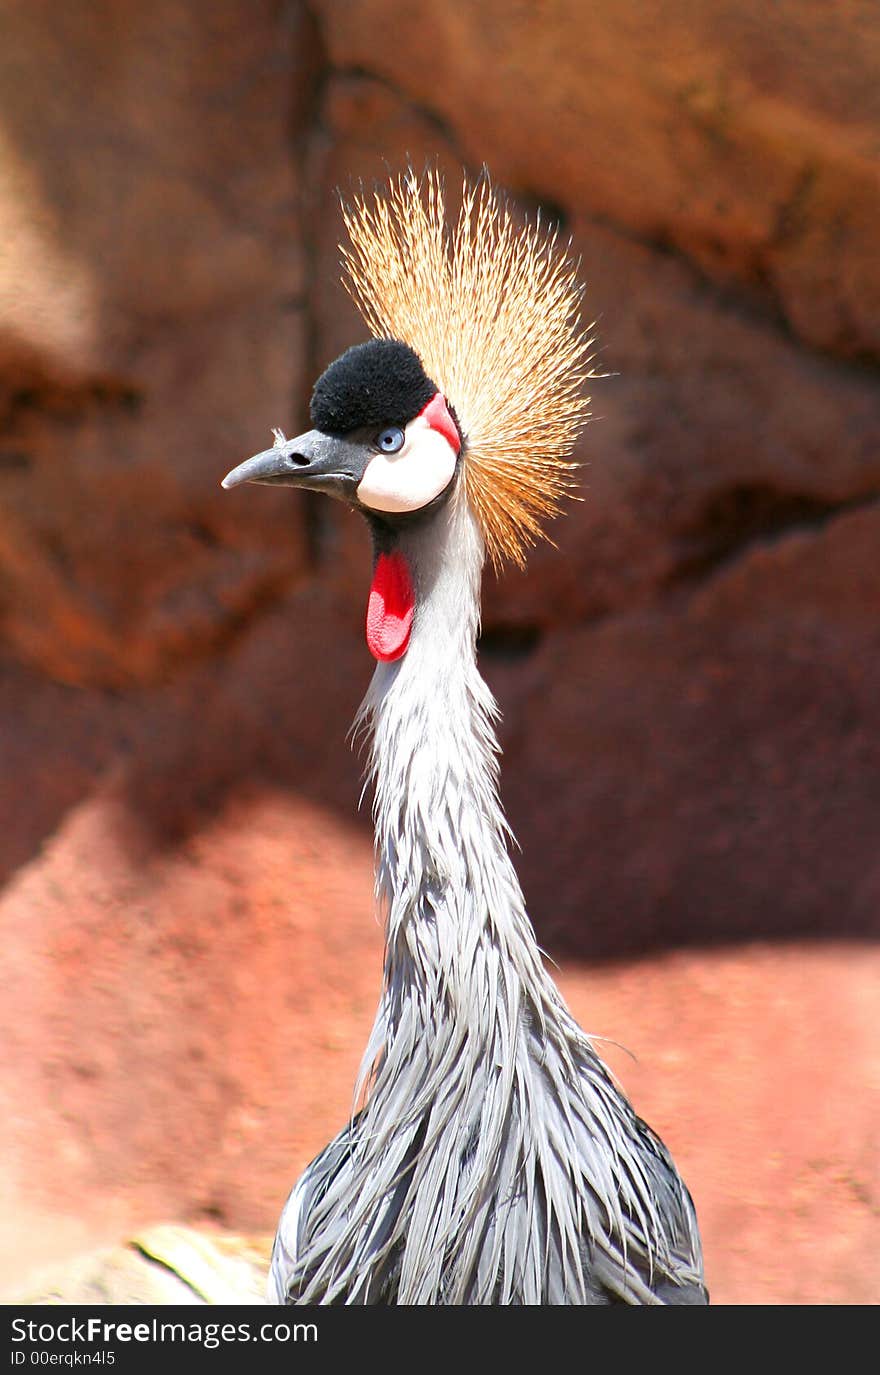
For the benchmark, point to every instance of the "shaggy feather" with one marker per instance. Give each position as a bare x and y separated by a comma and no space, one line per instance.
492,311
493,1160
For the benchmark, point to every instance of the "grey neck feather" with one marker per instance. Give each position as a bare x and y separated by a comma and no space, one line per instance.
444,874
492,1147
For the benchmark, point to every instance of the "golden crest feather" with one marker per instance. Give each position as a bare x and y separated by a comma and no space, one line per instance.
492,310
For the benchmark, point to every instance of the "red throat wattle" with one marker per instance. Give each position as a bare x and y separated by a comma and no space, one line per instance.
390,608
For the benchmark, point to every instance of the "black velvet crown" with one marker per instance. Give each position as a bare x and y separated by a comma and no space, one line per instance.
381,382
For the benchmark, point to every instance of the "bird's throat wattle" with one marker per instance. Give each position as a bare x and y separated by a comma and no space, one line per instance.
390,608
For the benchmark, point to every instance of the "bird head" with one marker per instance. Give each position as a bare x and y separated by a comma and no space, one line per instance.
383,438
472,382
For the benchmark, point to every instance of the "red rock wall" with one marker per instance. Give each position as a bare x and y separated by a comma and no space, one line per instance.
690,680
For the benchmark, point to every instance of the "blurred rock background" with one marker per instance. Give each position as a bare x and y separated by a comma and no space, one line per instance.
690,680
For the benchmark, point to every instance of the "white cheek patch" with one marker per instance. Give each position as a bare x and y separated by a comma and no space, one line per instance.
408,480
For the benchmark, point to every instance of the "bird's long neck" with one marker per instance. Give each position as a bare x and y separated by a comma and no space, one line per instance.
486,1107
460,950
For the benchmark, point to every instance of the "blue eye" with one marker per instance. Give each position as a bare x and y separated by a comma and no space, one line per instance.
390,441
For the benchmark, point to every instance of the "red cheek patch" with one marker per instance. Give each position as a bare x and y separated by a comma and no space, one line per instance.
438,417
390,609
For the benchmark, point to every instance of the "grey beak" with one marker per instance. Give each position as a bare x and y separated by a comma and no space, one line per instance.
319,461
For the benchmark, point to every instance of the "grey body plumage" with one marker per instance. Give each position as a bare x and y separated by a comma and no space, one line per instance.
494,1160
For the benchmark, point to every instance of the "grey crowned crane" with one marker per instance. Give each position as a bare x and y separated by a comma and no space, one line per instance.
493,1160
